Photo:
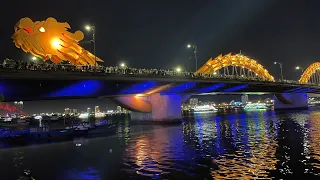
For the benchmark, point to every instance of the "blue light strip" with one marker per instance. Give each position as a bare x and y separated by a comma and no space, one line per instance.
139,88
82,88
292,90
235,88
306,90
210,88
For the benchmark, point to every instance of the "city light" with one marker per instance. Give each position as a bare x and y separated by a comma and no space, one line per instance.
123,65
189,46
33,58
215,73
178,69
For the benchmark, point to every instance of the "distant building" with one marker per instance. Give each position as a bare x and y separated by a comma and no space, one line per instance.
96,109
193,101
67,111
244,99
74,111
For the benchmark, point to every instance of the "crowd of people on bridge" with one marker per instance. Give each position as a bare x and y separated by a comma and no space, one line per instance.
124,71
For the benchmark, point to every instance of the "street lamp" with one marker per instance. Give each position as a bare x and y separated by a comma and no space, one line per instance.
178,69
280,64
195,53
33,58
122,65
299,68
93,29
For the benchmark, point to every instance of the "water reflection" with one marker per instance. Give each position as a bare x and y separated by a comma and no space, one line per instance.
314,133
152,153
222,145
244,147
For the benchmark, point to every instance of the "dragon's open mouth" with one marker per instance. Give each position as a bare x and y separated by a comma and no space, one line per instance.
27,29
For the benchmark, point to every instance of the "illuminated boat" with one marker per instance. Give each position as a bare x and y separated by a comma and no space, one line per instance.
12,122
204,108
255,106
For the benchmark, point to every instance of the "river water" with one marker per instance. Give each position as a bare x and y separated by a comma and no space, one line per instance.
231,145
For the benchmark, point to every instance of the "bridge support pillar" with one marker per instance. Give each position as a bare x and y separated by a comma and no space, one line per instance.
165,108
290,101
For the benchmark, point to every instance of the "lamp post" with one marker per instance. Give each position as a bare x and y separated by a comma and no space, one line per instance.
195,48
93,29
33,58
299,68
280,65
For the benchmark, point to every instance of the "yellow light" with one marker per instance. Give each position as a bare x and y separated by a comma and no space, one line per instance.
298,67
34,58
138,95
178,69
42,29
122,65
55,43
189,46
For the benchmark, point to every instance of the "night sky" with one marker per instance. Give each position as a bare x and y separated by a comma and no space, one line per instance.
154,34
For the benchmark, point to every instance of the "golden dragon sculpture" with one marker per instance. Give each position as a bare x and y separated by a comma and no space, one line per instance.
50,39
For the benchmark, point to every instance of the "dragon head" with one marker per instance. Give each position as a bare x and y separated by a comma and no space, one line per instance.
50,39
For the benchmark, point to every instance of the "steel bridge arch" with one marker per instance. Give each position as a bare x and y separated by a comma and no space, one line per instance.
307,74
213,65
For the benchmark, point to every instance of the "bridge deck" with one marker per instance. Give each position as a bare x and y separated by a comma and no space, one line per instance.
38,85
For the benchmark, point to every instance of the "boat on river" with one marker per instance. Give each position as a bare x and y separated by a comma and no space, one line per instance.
204,108
13,122
253,106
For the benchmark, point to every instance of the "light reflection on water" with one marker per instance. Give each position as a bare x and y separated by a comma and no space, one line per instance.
236,145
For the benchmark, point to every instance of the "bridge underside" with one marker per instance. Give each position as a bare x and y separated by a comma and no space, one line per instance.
42,87
155,107
290,101
160,97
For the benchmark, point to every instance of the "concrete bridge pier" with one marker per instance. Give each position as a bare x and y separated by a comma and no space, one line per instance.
157,107
290,101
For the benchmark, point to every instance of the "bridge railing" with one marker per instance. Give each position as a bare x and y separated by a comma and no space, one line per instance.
124,71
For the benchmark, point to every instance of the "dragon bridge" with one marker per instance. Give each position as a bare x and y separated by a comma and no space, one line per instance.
241,66
311,74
